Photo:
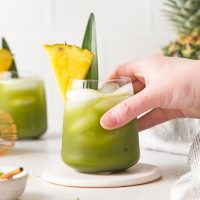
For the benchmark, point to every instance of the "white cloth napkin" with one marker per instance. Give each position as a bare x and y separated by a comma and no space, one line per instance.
175,136
149,140
188,186
180,136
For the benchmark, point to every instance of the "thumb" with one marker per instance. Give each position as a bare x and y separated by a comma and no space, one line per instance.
128,109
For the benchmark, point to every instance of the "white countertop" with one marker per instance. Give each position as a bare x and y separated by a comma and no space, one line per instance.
37,155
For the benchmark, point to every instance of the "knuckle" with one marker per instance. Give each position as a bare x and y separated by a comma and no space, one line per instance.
125,108
154,97
155,60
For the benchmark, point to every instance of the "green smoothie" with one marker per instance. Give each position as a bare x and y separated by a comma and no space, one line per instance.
24,99
86,146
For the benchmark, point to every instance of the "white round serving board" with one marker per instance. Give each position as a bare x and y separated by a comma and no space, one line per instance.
138,174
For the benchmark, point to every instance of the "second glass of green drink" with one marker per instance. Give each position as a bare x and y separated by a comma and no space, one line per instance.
24,99
86,146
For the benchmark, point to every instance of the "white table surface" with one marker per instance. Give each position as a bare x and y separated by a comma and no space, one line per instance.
37,155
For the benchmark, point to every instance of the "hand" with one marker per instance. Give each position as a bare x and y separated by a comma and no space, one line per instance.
168,88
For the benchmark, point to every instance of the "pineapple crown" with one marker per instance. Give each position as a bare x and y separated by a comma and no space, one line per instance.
184,15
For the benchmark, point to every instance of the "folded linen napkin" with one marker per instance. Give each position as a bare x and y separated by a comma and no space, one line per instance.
175,136
188,186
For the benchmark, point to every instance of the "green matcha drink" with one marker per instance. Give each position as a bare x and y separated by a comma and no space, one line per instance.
86,146
24,99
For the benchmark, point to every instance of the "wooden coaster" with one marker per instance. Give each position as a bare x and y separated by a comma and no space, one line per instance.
138,174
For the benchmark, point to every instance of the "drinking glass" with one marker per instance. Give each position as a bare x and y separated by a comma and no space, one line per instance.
86,146
24,99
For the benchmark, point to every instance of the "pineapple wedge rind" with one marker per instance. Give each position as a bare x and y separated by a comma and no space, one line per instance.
68,62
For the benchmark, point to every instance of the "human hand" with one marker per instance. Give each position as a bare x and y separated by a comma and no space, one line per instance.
168,87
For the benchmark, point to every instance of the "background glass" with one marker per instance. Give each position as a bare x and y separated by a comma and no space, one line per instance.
24,99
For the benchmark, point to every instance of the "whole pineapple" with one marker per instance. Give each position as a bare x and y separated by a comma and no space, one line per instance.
185,16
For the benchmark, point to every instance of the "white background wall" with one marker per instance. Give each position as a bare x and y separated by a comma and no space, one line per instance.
127,30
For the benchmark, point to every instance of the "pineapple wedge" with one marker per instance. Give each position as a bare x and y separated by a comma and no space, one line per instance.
68,62
6,59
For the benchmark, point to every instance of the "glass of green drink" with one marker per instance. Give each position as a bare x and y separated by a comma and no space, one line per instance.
24,99
86,146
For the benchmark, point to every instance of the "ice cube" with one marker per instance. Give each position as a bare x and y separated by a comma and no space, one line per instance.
5,75
84,123
23,83
106,103
108,87
126,90
83,95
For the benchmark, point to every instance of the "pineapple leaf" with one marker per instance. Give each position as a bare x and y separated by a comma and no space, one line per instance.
90,43
173,2
168,4
186,13
191,5
179,3
13,67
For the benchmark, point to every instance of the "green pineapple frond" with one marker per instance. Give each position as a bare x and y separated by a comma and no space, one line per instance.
184,15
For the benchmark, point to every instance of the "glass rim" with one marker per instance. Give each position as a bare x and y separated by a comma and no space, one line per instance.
122,78
7,75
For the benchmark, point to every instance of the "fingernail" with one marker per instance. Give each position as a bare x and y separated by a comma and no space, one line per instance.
108,120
